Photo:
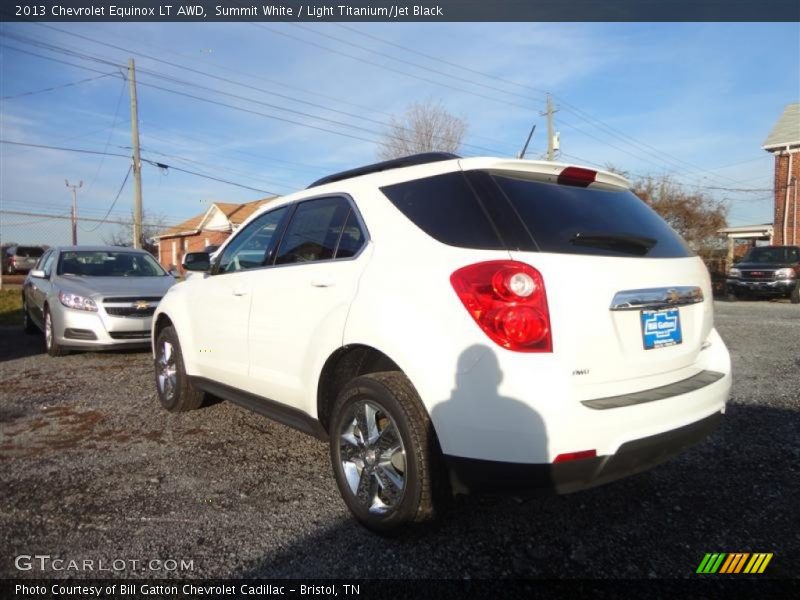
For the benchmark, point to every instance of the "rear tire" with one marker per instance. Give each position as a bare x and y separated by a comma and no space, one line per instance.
53,347
386,458
794,297
175,391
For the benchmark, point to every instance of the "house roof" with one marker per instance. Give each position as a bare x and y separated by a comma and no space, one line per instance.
187,227
786,131
236,214
239,213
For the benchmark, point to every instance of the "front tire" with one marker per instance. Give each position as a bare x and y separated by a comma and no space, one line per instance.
50,343
385,455
175,391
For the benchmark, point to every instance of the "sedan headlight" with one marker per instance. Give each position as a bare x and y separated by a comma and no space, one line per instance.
785,273
77,302
734,272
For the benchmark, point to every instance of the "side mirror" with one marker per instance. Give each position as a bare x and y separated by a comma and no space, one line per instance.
39,274
175,273
197,261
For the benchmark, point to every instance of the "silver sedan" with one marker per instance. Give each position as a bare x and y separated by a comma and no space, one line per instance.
93,297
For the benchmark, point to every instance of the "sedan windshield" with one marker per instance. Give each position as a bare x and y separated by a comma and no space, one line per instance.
101,263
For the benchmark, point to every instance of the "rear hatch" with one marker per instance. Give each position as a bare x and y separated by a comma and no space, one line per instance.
628,299
630,304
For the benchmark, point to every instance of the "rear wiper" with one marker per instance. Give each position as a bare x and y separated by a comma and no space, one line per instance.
623,242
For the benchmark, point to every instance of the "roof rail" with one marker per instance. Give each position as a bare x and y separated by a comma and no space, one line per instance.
395,163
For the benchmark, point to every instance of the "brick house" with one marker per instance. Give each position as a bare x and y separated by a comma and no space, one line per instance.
210,228
784,144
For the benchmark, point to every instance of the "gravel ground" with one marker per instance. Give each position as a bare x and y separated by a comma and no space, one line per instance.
92,468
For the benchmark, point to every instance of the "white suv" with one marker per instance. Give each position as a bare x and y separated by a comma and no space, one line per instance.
452,325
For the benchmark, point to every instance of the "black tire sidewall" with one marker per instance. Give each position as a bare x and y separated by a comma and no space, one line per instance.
168,334
360,389
186,397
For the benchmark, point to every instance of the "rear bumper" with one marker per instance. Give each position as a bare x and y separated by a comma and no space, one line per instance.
780,286
635,456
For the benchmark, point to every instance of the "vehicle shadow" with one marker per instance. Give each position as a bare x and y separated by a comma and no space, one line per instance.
15,343
735,492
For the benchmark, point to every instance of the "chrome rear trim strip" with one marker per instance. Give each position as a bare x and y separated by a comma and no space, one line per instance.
655,298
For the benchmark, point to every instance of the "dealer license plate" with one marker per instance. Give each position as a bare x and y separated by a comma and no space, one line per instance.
661,328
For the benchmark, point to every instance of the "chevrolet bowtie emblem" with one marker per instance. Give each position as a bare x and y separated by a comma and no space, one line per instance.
141,305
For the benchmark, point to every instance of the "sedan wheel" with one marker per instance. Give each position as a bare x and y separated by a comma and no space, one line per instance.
50,342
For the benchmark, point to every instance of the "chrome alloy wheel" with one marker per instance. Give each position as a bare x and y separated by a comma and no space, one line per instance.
48,330
167,371
373,457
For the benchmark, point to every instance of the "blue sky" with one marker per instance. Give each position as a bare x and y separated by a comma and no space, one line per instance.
693,100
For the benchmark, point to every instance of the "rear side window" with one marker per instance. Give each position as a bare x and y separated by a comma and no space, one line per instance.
574,220
446,208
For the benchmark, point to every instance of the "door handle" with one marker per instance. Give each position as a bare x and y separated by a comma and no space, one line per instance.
322,283
239,292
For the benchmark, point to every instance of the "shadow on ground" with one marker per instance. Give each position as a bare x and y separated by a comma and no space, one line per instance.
735,492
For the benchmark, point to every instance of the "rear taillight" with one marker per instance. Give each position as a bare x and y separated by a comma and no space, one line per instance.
577,176
508,301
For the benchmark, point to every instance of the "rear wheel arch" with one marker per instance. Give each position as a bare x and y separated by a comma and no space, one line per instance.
344,365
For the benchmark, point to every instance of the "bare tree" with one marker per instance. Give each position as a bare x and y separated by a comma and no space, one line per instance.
423,127
696,216
151,227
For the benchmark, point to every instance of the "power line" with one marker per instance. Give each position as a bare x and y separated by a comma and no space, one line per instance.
234,82
150,162
567,106
56,87
110,208
110,133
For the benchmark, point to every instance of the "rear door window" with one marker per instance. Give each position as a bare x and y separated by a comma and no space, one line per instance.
314,231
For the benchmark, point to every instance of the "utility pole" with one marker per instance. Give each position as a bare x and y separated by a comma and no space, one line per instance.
550,134
74,189
137,163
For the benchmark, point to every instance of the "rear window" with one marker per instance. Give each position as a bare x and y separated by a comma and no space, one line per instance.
29,251
575,220
478,209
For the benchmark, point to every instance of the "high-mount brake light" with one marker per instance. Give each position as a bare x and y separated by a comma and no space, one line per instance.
577,176
508,301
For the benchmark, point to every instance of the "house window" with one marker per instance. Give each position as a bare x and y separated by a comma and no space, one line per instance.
174,252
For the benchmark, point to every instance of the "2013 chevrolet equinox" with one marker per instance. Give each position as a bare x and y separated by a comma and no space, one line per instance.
455,324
